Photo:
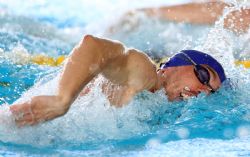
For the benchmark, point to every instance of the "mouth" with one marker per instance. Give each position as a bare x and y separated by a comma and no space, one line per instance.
184,96
181,97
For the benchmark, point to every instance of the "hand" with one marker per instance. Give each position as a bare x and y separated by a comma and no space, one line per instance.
38,109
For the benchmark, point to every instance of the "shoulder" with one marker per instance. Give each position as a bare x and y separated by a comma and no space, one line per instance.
140,61
142,71
139,58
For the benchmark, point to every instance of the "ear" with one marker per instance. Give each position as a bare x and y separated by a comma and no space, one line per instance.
161,71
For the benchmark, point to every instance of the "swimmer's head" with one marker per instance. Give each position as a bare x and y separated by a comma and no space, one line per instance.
189,73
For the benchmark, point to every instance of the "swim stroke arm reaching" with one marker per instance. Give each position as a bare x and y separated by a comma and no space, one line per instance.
92,56
204,13
196,13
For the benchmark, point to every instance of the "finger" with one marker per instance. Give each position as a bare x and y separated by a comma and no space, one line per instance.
27,119
22,124
15,108
20,108
37,122
26,123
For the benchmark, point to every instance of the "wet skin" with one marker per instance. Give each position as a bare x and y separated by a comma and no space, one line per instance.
133,72
129,70
181,82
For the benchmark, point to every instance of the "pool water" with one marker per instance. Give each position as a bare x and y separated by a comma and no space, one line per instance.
218,125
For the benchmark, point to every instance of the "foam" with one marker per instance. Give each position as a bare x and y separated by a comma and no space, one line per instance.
91,119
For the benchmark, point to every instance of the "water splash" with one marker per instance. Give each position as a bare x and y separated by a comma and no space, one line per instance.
149,119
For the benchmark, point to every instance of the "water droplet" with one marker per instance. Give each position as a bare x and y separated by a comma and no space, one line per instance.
182,133
243,131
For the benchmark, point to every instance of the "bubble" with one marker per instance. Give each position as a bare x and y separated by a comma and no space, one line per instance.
152,143
182,133
243,131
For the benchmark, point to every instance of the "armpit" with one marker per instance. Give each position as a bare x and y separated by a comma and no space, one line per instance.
118,95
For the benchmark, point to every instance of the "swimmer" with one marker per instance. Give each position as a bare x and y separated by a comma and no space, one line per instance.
186,74
195,13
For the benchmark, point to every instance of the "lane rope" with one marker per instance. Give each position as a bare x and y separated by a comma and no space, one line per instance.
46,60
57,61
21,56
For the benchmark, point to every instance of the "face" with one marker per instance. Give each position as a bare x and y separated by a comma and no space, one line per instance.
181,82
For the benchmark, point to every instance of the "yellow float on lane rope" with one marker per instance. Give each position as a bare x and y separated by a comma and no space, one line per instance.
50,61
46,60
246,63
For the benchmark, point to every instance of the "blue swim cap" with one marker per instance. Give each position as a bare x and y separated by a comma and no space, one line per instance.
199,58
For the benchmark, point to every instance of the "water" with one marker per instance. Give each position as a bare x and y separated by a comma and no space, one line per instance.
218,125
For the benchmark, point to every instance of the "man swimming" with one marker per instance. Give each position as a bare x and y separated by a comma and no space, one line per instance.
186,74
129,71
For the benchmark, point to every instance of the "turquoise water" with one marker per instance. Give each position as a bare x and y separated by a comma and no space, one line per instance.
218,125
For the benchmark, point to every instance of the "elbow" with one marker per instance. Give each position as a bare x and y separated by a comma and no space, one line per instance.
87,39
87,43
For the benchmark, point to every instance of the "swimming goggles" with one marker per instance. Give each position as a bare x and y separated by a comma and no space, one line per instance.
201,72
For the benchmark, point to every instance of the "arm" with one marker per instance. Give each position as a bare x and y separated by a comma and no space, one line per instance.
195,13
238,21
88,87
87,60
203,13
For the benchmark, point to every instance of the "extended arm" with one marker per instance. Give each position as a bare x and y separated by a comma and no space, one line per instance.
198,13
195,13
203,13
88,59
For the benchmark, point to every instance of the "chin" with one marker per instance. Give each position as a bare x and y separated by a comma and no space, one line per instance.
174,98
170,98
